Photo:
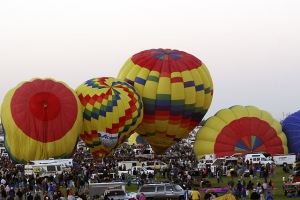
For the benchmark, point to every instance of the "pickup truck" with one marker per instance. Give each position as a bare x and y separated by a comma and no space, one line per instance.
139,170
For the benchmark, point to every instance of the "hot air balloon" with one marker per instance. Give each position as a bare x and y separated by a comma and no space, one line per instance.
41,119
112,110
240,129
176,90
291,127
136,139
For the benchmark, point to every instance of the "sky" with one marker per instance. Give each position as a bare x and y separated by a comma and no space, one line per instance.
251,48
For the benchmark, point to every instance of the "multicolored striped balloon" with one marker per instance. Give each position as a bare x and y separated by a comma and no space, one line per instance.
240,129
112,110
176,89
41,120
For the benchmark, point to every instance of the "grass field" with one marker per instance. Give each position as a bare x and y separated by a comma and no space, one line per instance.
278,180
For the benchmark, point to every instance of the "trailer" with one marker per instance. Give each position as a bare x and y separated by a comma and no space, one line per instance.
284,159
61,161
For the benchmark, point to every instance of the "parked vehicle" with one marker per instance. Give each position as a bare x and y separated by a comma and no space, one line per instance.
129,164
154,165
44,170
115,194
284,159
257,158
139,170
96,190
162,191
145,153
66,162
110,176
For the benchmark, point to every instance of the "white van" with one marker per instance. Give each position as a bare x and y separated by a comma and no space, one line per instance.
44,170
257,158
154,165
281,159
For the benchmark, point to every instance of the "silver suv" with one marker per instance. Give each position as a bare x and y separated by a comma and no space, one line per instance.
161,191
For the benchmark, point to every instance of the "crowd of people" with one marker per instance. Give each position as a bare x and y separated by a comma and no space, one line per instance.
16,185
182,169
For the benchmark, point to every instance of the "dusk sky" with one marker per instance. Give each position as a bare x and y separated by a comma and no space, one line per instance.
251,48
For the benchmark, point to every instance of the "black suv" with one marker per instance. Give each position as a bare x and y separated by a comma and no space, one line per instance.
161,191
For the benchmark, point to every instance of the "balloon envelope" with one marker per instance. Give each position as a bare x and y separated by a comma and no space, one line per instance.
240,129
112,110
176,89
136,139
291,127
41,120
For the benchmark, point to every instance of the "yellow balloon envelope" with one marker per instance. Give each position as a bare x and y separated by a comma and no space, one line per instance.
240,129
41,119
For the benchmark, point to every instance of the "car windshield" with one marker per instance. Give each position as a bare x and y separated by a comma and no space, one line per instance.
115,193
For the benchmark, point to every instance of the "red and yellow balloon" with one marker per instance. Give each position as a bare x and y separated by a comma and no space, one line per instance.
41,119
176,90
240,129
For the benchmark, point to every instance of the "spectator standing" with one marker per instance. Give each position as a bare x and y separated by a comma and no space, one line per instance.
231,183
195,194
19,193
250,187
239,188
142,196
244,193
271,184
12,193
186,194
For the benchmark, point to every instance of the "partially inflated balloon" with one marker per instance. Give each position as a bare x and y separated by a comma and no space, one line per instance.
240,129
112,110
291,127
41,120
176,89
136,139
